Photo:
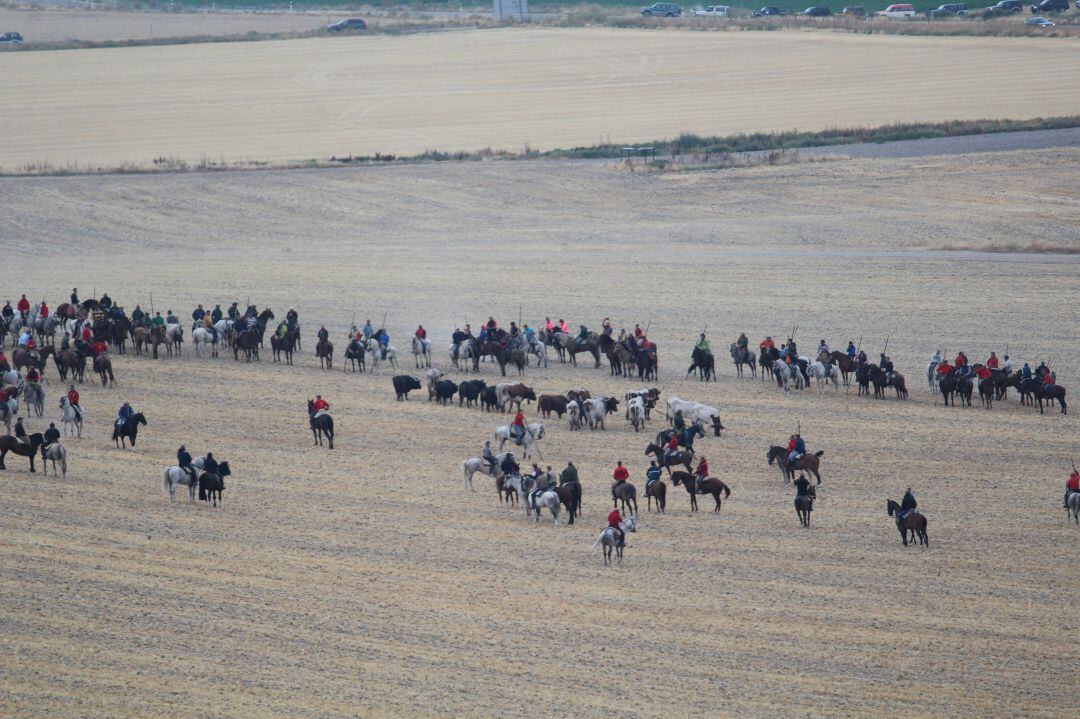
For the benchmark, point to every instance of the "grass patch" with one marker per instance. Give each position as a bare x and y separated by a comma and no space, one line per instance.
1040,247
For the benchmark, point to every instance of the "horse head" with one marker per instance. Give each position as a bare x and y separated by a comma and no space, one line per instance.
892,508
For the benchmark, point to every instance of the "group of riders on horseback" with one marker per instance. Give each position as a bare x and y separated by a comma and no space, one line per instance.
526,337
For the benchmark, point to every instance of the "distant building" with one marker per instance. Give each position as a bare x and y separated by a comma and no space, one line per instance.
512,9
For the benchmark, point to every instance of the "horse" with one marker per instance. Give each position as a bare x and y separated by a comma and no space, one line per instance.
539,349
656,490
174,475
619,357
34,394
103,366
709,485
574,347
1073,507
804,505
11,378
477,464
174,337
120,330
8,410
70,417
13,445
822,374
683,457
421,349
55,452
128,430
986,392
534,503
845,364
607,540
648,366
947,387
932,377
378,354
785,375
201,337
354,352
702,362
570,496
321,426
533,433
506,355
743,356
246,341
766,360
914,522
1050,392
324,350
212,484
283,343
157,337
808,461
627,494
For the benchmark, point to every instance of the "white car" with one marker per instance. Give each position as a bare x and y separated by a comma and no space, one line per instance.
899,10
713,11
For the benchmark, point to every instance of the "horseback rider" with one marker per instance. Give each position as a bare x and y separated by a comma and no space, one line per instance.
183,459
652,475
822,349
197,317
282,328
421,333
7,312
43,310
702,344
25,339
1072,484
210,465
803,489
509,465
487,455
20,432
158,321
563,328
767,344
52,435
620,475
887,366
32,375
671,449
234,312
944,369
323,335
793,350
292,318
797,447
861,358
24,309
369,331
936,358
518,426
614,520
73,402
638,332
606,328
483,334
105,301
491,325
170,318
514,331
701,474
321,406
215,314
208,325
549,326
1041,370
983,372
1006,365
530,337
1026,372
137,316
125,413
992,362
569,474
678,422
583,335
908,503
851,350
743,342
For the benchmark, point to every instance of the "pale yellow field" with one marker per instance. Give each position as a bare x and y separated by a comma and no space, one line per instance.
364,582
507,89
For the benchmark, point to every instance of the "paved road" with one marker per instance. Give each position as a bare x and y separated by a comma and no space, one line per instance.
999,142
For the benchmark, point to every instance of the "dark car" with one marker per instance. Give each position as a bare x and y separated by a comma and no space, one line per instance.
354,23
1006,7
853,10
948,10
11,37
662,9
769,11
816,11
1049,6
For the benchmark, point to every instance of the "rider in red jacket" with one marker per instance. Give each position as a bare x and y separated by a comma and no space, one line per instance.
983,372
702,471
421,332
614,520
944,368
621,475
992,362
1071,485
320,403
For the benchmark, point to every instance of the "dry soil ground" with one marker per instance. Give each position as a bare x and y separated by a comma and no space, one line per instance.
506,89
364,581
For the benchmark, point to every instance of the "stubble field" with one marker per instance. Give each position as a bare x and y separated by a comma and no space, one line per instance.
364,581
505,89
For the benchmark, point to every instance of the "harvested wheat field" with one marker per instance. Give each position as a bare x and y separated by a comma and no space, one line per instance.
505,89
364,581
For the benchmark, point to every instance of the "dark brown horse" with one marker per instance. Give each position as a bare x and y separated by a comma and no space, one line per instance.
325,351
914,522
248,343
284,343
506,493
71,361
11,444
804,505
710,485
656,490
683,457
627,494
1051,392
103,366
808,461
157,337
570,496
22,358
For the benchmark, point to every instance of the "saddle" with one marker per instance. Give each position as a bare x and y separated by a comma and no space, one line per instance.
649,483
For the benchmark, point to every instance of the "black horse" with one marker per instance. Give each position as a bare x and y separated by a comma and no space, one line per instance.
354,352
212,485
129,430
702,362
321,426
13,445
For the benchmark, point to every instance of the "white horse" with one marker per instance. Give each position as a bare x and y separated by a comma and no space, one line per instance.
477,464
15,328
607,539
822,374
787,374
375,352
8,411
34,394
1074,507
932,378
533,433
539,349
72,421
55,452
174,335
534,505
201,337
12,378
433,376
421,349
175,475
635,410
595,411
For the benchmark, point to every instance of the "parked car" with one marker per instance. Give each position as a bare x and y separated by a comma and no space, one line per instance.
1049,6
898,10
1039,21
713,11
769,11
854,11
662,9
947,10
11,37
1006,6
817,11
353,23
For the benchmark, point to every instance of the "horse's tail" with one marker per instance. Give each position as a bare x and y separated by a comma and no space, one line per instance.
63,458
165,477
724,488
598,539
818,454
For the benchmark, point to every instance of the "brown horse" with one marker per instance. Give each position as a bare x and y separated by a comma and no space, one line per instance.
656,490
914,522
570,496
103,366
248,342
627,494
73,362
506,493
140,336
325,352
157,337
285,343
804,505
32,358
683,457
809,462
710,485
844,364
11,444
